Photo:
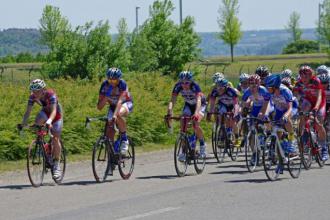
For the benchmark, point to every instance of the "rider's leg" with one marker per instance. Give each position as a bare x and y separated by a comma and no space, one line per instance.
321,133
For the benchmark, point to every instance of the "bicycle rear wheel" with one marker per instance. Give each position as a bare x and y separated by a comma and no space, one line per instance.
181,149
305,149
62,165
318,156
199,162
214,134
233,148
126,162
100,160
271,160
36,163
221,144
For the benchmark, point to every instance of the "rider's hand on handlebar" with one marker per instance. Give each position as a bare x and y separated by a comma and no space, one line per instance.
195,117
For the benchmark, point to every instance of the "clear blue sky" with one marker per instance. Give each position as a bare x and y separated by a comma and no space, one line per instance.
254,14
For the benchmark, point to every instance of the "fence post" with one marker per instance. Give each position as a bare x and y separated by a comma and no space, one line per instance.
12,75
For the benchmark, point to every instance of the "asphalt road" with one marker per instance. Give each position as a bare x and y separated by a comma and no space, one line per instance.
223,191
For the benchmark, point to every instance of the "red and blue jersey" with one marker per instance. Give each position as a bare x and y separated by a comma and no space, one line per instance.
49,98
189,95
257,99
228,98
282,100
114,92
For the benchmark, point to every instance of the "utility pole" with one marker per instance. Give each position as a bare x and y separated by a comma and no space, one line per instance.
319,35
180,11
137,17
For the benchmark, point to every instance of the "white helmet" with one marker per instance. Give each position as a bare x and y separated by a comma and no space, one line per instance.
323,69
286,73
217,75
244,77
37,84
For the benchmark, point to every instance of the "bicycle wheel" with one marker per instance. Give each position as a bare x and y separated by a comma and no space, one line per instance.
126,162
221,144
100,161
294,166
305,150
62,164
232,146
36,163
318,156
199,162
214,132
271,159
181,149
249,146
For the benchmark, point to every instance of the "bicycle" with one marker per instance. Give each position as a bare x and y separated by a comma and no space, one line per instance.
186,145
274,158
327,129
40,158
106,154
225,141
253,142
308,147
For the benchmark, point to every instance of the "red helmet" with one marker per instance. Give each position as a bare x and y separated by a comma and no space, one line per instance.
254,79
305,70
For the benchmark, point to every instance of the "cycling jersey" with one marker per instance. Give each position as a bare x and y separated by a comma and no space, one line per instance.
310,92
258,99
228,98
190,95
114,92
49,98
240,88
281,101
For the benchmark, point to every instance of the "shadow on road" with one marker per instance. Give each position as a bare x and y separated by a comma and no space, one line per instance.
231,172
249,181
16,187
163,177
84,183
232,166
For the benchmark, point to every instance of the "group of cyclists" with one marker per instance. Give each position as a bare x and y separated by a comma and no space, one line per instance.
262,94
265,95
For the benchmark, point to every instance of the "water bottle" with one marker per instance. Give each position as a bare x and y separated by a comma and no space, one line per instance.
313,136
192,141
117,146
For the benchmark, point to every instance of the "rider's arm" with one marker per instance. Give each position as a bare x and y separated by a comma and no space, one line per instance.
319,99
288,112
52,113
171,105
27,114
121,99
101,103
212,104
264,108
198,104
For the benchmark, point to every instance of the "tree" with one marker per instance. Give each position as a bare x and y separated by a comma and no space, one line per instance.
293,26
53,25
324,26
230,26
162,45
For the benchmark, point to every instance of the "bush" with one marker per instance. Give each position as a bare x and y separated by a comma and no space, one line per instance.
301,46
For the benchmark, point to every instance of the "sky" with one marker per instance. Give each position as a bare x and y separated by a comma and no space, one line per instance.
254,14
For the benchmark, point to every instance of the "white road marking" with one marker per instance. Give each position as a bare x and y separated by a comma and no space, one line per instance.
155,212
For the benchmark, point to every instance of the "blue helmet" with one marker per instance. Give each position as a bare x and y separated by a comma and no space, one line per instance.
114,73
185,75
273,81
222,82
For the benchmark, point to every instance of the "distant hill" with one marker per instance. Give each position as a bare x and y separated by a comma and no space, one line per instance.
263,42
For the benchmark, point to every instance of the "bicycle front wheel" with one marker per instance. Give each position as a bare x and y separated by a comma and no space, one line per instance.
305,150
126,162
221,144
100,161
199,162
270,159
214,134
181,155
36,163
251,152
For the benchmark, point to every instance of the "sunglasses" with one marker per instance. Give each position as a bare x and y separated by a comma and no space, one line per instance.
112,80
185,82
253,84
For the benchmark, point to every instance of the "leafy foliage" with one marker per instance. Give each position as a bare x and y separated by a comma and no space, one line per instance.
293,26
301,46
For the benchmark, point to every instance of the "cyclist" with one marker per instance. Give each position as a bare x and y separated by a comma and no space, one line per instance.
227,102
243,83
263,72
310,90
281,97
295,104
114,91
195,105
50,115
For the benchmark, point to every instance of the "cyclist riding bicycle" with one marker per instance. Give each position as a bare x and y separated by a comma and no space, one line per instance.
295,104
114,91
281,97
311,95
325,79
227,102
195,105
243,83
50,115
263,72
